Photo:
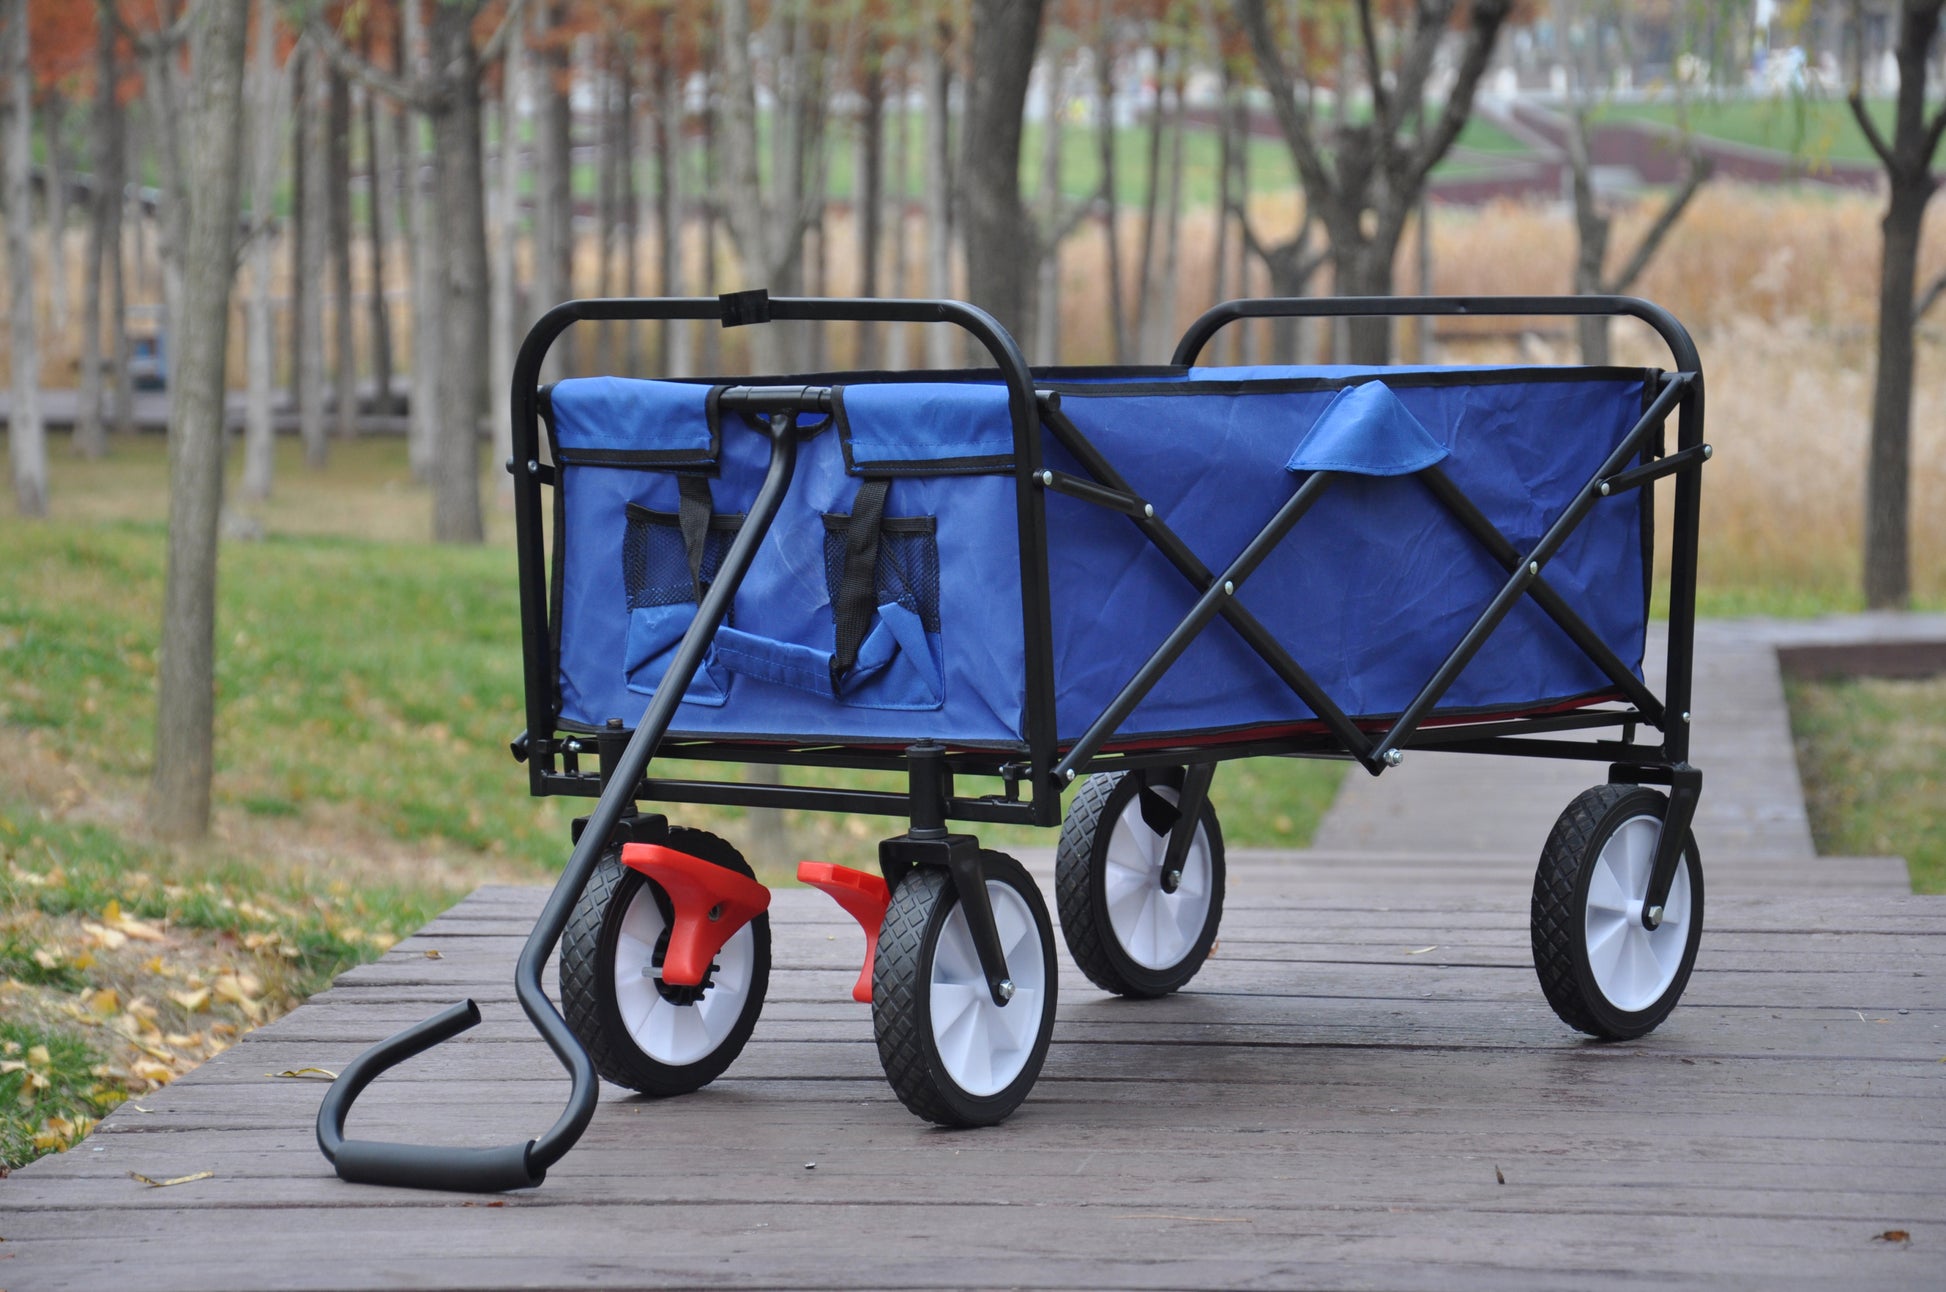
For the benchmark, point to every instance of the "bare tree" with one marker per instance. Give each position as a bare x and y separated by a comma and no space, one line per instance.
1366,185
1104,60
186,677
1001,241
269,95
380,318
26,438
1907,158
423,237
337,134
937,74
308,266
504,305
1592,220
104,245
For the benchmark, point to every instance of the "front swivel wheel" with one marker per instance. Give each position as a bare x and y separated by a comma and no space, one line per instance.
953,1054
1603,969
644,1033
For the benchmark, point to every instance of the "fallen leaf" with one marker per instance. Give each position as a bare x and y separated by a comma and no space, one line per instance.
46,959
193,1001
1422,950
163,1184
1892,1236
151,1070
38,1057
434,955
1499,1177
306,1074
106,938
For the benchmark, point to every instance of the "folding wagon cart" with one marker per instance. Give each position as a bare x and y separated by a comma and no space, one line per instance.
1020,577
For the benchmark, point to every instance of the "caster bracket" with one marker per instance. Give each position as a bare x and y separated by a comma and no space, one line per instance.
1189,814
960,854
1685,790
710,904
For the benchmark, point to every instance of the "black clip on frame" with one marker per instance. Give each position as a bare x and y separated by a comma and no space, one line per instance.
525,1165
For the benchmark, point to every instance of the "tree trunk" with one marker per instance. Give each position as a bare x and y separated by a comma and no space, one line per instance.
462,222
867,199
896,189
104,239
1888,573
421,188
1000,238
938,172
1151,198
309,287
343,303
1110,203
672,346
554,249
712,347
380,315
259,433
630,213
186,690
55,189
1161,339
299,337
505,331
1047,289
26,438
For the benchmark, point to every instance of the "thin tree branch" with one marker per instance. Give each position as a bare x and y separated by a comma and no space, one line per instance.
153,43
423,94
1699,171
1929,298
1284,251
1870,127
1374,73
1488,15
1293,114
496,44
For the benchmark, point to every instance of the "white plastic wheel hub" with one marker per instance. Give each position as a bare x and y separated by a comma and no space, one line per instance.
1156,928
984,1045
668,1032
1634,965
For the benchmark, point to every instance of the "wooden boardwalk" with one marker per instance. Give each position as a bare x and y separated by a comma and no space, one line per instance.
1364,1088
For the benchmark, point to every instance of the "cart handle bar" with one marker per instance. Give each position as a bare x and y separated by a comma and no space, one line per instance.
1681,347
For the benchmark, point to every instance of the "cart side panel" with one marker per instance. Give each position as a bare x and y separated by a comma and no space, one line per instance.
1378,582
956,670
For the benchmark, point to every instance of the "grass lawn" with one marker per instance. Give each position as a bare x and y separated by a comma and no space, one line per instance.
1816,129
1872,752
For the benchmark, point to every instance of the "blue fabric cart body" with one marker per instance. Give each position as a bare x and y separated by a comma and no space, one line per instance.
1369,592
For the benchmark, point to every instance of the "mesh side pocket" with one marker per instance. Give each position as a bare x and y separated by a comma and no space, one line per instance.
907,571
655,564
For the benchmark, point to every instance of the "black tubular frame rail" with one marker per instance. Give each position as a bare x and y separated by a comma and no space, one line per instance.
1041,763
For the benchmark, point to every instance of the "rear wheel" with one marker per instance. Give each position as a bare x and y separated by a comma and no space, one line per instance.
1603,970
1132,929
641,1032
953,1054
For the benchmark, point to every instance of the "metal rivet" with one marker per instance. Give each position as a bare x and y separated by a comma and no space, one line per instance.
1148,511
1228,588
1004,989
1067,776
1685,715
574,746
1393,757
533,467
1533,567
1604,488
1655,917
1708,452
1047,477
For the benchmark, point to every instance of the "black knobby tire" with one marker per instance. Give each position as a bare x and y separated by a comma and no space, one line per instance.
1561,924
1081,878
588,988
909,945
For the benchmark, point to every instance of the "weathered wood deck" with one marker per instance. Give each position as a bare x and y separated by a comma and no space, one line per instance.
1336,1102
1328,1107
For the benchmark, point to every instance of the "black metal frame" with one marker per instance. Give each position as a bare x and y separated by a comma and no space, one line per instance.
1039,762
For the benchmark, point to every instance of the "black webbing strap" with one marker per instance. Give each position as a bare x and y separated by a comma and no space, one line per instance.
857,599
692,515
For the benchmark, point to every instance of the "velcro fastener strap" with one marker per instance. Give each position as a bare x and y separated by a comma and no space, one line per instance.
857,598
692,516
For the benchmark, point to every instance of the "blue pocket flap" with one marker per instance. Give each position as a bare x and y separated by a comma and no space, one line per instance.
618,419
916,428
654,632
1366,431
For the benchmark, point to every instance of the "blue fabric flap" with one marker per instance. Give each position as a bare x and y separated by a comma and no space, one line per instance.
651,421
654,633
925,428
1366,431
